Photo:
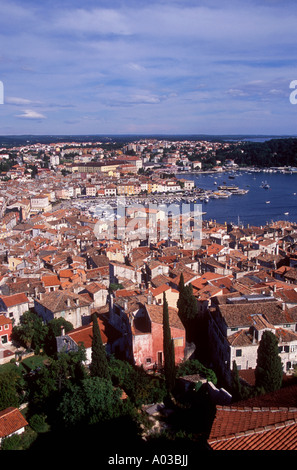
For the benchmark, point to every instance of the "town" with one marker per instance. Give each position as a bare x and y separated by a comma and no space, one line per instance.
64,259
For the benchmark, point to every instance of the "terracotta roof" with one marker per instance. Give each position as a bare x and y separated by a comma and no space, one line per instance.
57,301
15,299
11,420
4,320
51,280
244,428
156,315
84,333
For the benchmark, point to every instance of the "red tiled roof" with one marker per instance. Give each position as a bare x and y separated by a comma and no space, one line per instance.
84,334
278,437
4,320
14,299
50,280
246,428
11,420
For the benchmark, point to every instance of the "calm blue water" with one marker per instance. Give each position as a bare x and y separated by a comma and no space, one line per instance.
251,208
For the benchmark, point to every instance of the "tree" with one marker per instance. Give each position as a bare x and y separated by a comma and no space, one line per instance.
187,303
168,349
9,389
93,400
54,330
99,364
31,331
269,371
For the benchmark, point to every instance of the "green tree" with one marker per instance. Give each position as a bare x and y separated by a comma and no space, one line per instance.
47,386
269,371
93,400
168,349
99,364
187,303
31,331
9,389
193,366
54,328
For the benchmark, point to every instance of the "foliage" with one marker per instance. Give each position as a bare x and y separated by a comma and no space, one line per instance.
274,152
140,387
193,366
12,443
187,303
9,389
113,286
120,371
31,331
38,423
269,372
99,364
47,385
168,348
53,330
93,400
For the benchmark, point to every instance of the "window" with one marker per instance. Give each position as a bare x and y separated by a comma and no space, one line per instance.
4,339
178,342
238,352
160,358
6,327
148,360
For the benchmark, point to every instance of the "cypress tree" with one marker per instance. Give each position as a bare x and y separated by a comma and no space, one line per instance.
99,364
168,348
182,299
269,371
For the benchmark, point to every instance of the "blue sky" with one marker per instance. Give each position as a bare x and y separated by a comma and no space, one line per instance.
139,67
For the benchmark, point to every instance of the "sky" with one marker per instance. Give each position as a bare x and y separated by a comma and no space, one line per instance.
139,67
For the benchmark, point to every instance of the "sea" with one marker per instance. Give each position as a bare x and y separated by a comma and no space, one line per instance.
256,208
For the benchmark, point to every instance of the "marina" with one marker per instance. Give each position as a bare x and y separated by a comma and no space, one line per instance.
243,199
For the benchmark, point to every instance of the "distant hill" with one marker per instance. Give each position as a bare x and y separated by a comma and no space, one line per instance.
19,140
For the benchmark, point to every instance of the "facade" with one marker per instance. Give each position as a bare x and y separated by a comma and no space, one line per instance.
84,335
5,329
14,306
236,326
147,336
72,307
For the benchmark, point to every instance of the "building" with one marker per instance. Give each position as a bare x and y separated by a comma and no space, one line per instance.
72,307
147,336
5,329
84,336
11,422
237,323
14,306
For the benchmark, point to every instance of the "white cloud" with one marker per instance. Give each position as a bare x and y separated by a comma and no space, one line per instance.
19,101
30,114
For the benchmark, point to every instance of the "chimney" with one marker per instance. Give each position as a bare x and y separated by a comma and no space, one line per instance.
62,330
68,302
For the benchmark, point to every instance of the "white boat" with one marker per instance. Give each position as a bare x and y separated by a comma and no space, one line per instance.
265,185
267,202
286,213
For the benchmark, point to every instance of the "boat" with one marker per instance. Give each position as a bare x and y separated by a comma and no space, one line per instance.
265,185
267,202
228,188
286,213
